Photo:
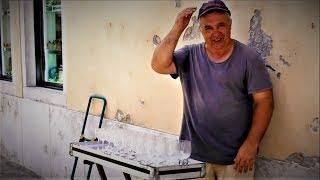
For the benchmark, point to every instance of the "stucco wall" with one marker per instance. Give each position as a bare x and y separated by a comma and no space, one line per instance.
107,48
110,47
38,135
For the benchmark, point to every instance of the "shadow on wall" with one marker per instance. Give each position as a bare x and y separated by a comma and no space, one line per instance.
10,170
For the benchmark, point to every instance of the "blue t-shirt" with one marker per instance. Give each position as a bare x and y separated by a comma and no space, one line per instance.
218,104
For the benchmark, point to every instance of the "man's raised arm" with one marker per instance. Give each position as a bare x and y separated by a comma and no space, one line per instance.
162,59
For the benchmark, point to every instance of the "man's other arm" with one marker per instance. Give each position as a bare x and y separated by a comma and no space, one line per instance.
263,109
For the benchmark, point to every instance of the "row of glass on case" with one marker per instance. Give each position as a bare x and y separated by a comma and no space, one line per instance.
144,147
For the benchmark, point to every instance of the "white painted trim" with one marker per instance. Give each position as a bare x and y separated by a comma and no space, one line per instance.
45,95
27,44
22,43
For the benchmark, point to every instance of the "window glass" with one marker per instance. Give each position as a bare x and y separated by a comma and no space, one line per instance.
52,41
6,60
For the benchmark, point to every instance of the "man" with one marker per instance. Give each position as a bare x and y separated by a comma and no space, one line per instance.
228,100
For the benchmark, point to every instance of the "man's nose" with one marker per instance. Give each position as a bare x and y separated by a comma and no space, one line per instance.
215,32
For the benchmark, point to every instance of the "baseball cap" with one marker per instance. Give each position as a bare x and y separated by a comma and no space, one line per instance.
213,5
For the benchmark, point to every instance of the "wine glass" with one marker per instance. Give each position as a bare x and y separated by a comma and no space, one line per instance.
146,149
172,150
99,134
159,149
184,150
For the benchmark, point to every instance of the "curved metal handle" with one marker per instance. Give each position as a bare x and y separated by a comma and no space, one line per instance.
95,96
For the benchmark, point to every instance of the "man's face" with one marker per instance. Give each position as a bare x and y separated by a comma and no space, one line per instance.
216,30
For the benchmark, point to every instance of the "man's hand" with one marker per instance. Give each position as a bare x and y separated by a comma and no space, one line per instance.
183,18
245,158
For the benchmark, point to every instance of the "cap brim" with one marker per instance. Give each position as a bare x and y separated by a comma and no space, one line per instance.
213,9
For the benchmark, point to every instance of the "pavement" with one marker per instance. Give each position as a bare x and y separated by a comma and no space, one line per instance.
10,170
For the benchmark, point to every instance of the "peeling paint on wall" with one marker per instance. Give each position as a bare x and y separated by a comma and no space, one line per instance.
156,40
283,61
258,39
192,32
262,42
314,125
122,117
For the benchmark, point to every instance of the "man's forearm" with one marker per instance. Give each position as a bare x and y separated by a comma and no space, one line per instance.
261,118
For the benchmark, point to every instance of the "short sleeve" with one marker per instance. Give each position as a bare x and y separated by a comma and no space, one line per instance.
257,75
180,59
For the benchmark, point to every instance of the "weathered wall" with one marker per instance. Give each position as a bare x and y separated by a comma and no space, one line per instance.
291,25
110,47
29,135
37,135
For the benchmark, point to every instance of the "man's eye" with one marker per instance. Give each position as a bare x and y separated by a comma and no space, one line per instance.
221,25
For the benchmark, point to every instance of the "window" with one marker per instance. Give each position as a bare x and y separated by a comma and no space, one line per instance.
48,43
5,58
